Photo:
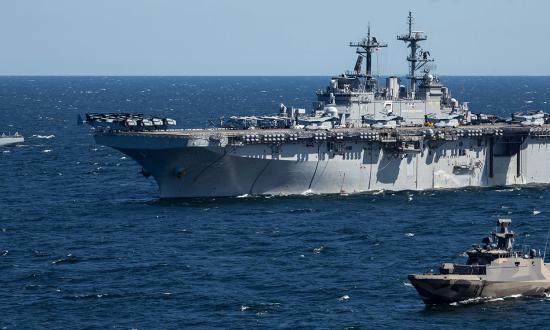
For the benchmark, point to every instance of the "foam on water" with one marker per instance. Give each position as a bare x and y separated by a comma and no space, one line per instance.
47,137
480,300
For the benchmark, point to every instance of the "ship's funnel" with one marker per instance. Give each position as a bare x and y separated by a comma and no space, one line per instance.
392,86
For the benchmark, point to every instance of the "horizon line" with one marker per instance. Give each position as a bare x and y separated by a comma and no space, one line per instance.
247,75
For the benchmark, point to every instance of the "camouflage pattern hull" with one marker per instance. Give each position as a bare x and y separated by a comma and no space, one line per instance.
435,289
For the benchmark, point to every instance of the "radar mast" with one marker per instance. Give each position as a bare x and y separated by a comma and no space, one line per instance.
417,58
365,48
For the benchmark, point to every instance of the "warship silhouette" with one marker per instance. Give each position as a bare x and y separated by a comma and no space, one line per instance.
493,270
359,136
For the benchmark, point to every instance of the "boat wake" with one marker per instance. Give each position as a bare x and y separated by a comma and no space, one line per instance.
308,192
481,300
47,137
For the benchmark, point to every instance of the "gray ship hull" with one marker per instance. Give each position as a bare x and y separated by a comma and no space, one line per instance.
11,140
445,291
503,277
191,165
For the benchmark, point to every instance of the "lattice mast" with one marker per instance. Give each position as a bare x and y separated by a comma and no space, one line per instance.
365,48
417,58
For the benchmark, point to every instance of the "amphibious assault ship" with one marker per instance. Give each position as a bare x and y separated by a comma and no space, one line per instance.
358,137
494,270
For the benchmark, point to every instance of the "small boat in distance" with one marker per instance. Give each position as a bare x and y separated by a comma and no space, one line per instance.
11,139
493,270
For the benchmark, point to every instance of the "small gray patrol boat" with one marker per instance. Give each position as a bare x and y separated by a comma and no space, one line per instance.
11,139
494,269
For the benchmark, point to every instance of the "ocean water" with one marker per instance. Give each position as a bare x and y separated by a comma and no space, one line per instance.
85,242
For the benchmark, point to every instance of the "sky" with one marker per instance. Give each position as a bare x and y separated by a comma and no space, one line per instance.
267,37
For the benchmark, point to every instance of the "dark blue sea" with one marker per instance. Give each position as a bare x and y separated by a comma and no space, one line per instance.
86,243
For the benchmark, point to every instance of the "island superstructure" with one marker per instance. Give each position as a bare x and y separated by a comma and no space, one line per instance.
358,137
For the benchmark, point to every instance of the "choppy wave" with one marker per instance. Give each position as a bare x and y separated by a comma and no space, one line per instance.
344,298
319,249
68,259
47,137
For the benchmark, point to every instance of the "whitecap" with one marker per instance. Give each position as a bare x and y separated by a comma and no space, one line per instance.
243,308
407,284
6,151
409,234
47,137
535,212
319,249
47,150
242,196
344,297
528,102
